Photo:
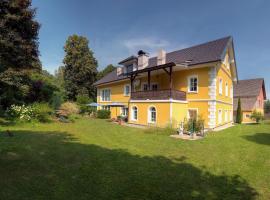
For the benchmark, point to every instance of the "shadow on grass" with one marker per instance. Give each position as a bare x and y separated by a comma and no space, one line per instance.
55,165
260,138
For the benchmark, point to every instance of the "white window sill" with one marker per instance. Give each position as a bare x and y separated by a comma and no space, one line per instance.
192,92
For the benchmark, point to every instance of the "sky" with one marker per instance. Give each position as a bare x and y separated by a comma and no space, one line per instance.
118,28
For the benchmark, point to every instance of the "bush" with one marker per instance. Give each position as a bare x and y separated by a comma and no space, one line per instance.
194,125
239,115
103,114
20,113
68,108
56,100
42,112
257,116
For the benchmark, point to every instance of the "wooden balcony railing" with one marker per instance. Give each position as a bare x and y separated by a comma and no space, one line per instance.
159,95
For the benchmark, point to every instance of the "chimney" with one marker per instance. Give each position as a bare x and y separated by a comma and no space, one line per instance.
161,58
119,71
143,58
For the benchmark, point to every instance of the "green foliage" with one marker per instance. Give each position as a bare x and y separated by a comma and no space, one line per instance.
56,100
267,106
42,112
82,101
105,71
194,125
80,68
20,113
239,115
256,115
18,50
68,108
103,114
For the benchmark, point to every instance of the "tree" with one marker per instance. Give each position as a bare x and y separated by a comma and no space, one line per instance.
80,68
239,116
18,50
256,115
105,71
267,106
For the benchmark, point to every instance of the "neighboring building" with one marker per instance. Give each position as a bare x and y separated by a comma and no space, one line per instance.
252,94
169,88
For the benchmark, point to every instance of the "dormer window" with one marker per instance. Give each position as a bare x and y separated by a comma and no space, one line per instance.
129,68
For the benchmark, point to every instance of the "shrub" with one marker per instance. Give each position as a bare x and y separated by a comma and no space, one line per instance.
103,114
239,116
56,100
42,112
256,115
194,125
67,109
83,99
20,113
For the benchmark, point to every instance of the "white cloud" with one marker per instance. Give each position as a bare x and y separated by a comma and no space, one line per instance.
147,44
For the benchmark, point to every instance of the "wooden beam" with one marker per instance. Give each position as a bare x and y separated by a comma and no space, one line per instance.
148,78
166,71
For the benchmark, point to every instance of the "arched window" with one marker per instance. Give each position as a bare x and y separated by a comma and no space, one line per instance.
152,115
134,113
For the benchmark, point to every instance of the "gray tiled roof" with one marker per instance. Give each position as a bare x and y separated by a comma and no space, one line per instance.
203,53
248,91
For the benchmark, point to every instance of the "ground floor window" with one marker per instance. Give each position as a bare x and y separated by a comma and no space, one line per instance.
152,115
192,113
134,113
226,115
105,107
219,116
247,115
124,111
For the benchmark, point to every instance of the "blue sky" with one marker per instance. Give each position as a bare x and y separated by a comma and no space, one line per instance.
118,28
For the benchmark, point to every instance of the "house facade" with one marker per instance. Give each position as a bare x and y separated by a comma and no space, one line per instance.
172,87
252,94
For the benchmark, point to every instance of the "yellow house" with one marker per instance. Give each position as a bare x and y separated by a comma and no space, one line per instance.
171,87
252,94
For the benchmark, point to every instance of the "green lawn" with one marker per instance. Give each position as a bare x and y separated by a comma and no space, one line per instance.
94,159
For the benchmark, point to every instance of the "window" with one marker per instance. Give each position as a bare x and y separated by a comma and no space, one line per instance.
105,107
124,111
192,113
145,87
219,116
231,92
220,86
134,113
106,95
193,84
152,115
247,115
226,116
226,89
154,86
126,90
129,68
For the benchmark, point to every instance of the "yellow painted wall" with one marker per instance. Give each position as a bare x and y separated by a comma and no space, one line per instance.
245,118
202,107
179,113
223,107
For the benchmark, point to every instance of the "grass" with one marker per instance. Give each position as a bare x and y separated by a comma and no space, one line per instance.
94,159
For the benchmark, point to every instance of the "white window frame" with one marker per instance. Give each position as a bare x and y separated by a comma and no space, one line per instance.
125,92
103,98
150,115
132,113
220,86
226,89
196,109
220,116
226,115
124,111
189,82
247,116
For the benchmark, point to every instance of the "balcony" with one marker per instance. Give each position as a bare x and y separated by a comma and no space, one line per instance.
159,95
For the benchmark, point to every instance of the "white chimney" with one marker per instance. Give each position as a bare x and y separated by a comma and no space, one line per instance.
119,70
143,58
161,58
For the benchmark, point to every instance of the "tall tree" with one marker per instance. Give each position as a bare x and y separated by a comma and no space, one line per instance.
80,68
18,49
105,71
239,115
267,106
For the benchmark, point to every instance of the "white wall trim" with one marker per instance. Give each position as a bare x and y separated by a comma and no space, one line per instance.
212,92
149,115
209,100
161,101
